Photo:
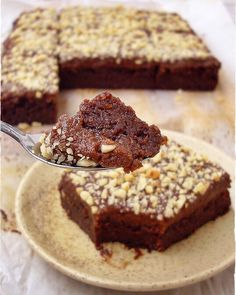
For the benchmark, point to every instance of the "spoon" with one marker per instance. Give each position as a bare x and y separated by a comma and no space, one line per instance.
30,142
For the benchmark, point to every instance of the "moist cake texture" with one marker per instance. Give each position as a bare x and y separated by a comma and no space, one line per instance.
104,132
163,202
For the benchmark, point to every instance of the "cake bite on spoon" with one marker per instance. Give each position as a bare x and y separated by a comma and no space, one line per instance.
104,133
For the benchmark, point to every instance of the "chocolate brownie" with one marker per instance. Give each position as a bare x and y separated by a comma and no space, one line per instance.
141,49
104,132
30,69
161,203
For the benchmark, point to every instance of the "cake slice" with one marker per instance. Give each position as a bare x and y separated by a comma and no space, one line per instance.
159,204
104,132
30,69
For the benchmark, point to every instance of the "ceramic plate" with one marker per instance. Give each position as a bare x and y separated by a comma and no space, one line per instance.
61,242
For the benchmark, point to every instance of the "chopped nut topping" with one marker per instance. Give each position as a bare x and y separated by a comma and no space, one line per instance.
102,181
30,62
141,36
159,189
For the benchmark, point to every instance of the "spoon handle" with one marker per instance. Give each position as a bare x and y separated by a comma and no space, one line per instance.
12,131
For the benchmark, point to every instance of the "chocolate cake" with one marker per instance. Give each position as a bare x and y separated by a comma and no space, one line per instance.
30,69
104,132
80,48
161,203
141,49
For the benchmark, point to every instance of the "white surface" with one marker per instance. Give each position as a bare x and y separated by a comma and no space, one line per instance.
230,6
24,273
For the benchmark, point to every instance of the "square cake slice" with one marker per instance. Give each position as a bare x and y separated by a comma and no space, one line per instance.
163,202
128,48
30,69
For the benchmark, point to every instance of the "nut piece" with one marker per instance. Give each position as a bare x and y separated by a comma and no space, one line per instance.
107,148
94,209
104,194
153,173
142,183
86,163
188,183
102,182
36,124
23,126
179,203
201,188
129,177
86,196
120,193
46,151
149,189
125,186
77,179
42,138
136,208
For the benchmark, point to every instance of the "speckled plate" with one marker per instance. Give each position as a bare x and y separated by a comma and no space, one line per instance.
61,242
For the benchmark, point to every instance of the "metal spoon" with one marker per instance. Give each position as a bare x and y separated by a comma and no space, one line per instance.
30,143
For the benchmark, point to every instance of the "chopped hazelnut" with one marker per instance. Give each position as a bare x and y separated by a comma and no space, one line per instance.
153,173
86,163
94,209
120,193
107,148
149,189
102,182
201,188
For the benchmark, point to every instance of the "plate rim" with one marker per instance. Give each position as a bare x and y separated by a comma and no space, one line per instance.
107,283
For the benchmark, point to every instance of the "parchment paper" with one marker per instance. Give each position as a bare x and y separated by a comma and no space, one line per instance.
207,115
